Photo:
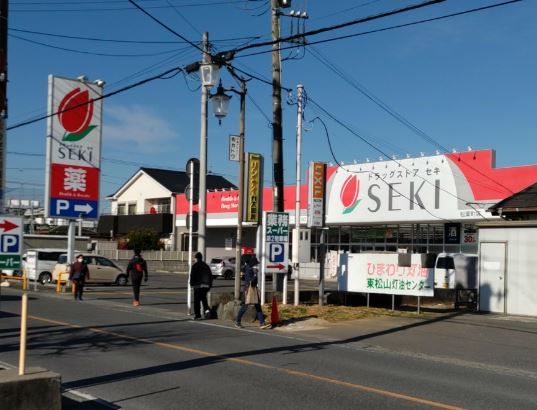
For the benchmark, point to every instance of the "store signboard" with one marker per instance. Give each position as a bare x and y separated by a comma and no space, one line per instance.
254,180
316,192
276,231
73,157
381,273
424,189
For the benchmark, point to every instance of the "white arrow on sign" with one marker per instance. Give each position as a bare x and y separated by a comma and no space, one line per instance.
86,208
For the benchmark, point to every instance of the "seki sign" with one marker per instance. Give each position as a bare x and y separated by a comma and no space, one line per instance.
73,149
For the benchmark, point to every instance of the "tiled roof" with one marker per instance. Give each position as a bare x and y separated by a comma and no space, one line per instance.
176,181
527,198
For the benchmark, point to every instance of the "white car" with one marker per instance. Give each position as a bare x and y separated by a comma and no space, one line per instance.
223,267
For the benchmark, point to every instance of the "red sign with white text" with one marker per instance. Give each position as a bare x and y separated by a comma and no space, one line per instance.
74,182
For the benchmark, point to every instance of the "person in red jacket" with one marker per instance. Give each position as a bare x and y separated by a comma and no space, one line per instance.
78,273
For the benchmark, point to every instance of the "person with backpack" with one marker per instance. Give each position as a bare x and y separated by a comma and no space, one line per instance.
137,269
251,295
78,272
201,279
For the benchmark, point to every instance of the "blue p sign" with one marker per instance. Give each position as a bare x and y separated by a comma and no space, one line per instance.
276,252
9,243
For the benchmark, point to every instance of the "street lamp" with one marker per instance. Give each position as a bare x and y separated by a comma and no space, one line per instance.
209,75
220,102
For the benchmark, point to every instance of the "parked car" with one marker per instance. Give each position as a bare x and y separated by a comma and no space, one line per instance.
11,272
101,269
223,267
46,259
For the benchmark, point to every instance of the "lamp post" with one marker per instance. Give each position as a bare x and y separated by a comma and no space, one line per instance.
209,75
220,102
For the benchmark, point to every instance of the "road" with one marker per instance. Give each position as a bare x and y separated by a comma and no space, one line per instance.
155,357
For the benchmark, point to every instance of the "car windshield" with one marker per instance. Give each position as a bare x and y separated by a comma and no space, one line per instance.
216,260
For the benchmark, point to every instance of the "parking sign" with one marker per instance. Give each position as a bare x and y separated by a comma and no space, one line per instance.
10,242
276,228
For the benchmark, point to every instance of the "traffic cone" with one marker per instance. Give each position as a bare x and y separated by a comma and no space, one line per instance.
274,315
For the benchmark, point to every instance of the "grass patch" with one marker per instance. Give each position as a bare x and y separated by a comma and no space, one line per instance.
332,313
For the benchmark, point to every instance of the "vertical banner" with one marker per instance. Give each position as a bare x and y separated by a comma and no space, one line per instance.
73,158
254,179
316,194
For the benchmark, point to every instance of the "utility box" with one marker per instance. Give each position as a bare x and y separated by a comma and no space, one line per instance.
301,246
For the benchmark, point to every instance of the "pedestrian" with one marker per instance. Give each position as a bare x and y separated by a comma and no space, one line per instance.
78,273
251,295
201,279
137,269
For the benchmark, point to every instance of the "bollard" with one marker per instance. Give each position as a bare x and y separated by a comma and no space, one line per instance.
22,351
24,280
59,282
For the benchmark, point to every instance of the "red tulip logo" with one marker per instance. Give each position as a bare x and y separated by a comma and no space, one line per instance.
75,114
349,194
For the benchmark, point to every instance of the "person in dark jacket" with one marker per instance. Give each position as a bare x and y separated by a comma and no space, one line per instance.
137,269
201,279
251,295
78,273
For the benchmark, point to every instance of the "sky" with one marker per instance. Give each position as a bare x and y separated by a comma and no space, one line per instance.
452,83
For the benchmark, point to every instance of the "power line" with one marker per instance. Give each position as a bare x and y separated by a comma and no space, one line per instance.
339,26
372,97
108,40
100,9
92,52
363,33
102,97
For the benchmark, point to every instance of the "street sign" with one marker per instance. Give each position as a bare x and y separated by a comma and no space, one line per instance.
10,241
276,228
234,148
73,149
316,193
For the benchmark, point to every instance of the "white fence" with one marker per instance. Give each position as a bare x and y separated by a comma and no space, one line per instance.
148,255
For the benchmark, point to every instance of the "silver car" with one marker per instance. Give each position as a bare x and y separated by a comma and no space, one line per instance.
223,267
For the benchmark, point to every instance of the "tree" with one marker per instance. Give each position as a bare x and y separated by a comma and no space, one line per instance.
144,239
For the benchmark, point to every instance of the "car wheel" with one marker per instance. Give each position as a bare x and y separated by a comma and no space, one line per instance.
228,274
121,280
45,278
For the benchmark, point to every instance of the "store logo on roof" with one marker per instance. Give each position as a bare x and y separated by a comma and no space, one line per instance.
349,194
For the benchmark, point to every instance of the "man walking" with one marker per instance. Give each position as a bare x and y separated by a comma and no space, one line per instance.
201,279
137,269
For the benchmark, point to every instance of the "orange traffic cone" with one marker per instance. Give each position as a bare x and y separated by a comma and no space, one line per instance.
274,315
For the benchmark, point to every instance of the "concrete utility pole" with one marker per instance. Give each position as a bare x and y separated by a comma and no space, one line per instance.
277,140
238,247
3,99
296,252
202,213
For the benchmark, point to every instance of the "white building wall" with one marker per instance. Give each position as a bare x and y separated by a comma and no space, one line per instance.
521,283
144,187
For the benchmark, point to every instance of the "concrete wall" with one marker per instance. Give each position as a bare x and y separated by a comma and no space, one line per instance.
521,264
53,241
37,389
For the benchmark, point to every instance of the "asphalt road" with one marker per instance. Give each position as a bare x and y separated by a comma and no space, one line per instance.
111,355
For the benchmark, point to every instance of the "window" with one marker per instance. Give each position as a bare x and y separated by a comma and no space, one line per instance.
121,209
104,262
132,209
49,256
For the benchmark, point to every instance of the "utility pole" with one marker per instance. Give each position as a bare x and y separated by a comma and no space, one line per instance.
296,252
202,220
277,134
3,99
238,247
